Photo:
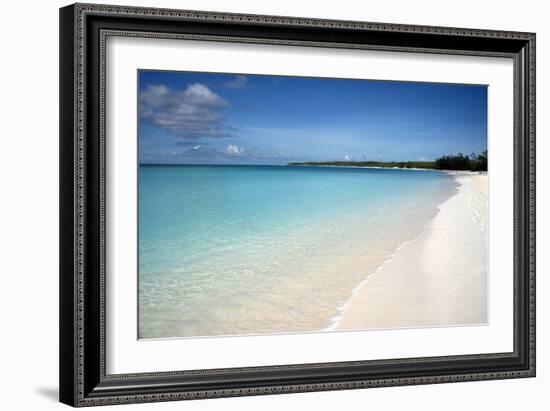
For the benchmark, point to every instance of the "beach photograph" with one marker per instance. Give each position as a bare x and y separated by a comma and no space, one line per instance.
285,204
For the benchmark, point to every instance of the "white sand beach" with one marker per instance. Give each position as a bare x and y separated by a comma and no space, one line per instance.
439,278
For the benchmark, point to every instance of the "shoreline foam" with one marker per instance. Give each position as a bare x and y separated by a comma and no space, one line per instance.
438,278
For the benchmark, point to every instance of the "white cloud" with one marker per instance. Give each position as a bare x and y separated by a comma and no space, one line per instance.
234,150
154,96
192,113
202,95
346,157
239,83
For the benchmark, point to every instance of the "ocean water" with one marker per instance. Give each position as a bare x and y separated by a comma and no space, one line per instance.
233,250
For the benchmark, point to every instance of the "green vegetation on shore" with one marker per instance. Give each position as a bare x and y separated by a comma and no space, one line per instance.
473,162
385,164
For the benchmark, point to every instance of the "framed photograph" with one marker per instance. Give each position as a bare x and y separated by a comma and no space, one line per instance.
261,204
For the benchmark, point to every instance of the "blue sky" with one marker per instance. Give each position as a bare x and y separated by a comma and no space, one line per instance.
204,118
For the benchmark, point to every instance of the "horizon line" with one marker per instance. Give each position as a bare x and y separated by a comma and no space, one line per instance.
283,165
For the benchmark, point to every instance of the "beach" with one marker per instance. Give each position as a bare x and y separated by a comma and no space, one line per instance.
307,216
438,278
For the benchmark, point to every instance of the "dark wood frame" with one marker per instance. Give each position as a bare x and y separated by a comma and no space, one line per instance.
83,30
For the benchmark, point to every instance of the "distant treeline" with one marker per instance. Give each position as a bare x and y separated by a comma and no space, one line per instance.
386,164
473,162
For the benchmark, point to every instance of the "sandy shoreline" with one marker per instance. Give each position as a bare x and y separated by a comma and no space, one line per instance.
439,278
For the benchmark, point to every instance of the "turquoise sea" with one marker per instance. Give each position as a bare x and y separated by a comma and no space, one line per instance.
233,250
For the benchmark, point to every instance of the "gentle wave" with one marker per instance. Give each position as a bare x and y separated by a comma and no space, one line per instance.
335,321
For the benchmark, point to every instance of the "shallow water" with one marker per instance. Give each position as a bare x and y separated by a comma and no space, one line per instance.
232,250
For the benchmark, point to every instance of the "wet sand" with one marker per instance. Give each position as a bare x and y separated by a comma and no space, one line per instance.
437,279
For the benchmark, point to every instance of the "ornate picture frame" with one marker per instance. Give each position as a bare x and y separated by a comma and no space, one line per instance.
84,29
